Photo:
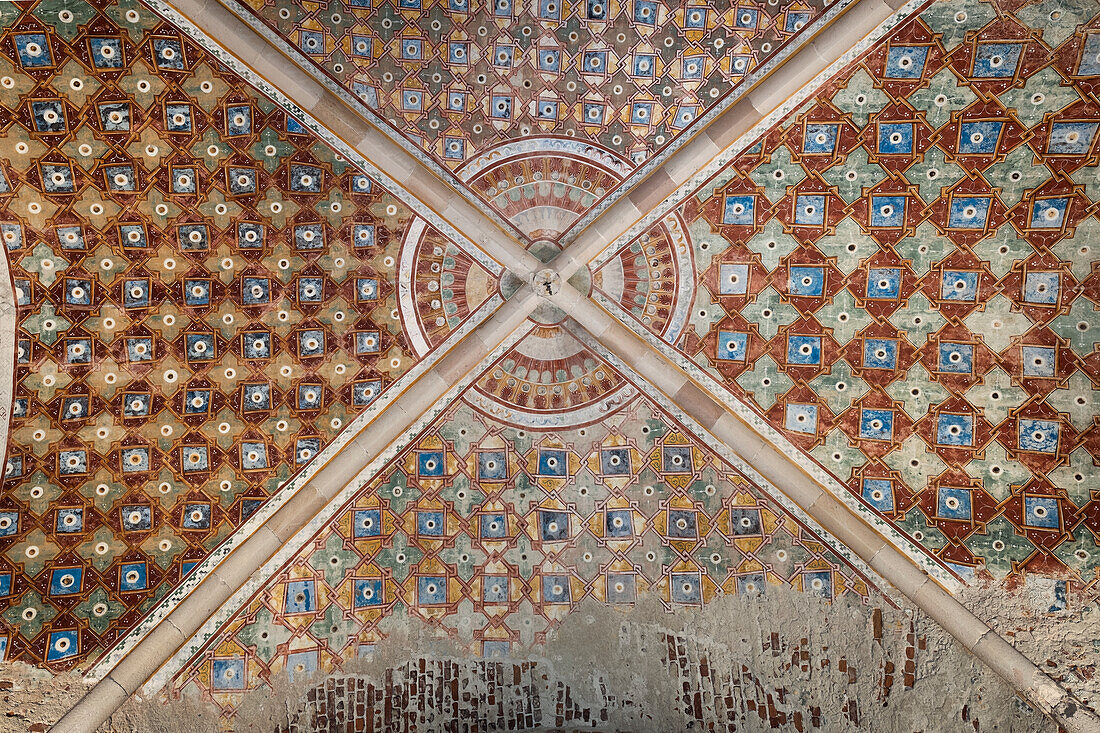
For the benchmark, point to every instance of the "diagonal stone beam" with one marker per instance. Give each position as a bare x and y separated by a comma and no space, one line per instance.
653,190
829,512
392,165
388,430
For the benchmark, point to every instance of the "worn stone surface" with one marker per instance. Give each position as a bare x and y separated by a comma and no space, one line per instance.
784,661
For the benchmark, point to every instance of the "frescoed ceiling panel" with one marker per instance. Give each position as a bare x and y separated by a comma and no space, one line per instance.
207,295
495,523
899,277
509,88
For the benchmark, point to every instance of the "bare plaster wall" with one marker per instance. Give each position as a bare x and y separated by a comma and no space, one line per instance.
762,663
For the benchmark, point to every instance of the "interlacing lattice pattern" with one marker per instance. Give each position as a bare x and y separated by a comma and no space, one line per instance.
207,295
492,533
899,276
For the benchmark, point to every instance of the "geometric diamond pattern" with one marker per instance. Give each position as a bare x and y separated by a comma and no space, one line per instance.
898,277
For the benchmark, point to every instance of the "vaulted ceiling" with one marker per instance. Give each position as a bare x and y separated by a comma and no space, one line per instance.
483,312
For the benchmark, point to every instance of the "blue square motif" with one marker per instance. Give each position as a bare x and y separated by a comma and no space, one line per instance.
807,281
888,212
364,393
732,345
300,597
412,49
431,590
969,212
412,100
1089,65
65,581
739,210
553,526
367,523
1038,436
458,52
747,17
311,343
804,350
955,430
196,516
552,462
69,520
683,524
1038,361
63,644
132,576
196,292
256,345
429,524
615,461
883,283
200,347
809,210
905,62
695,17
594,62
879,493
549,59
594,113
953,503
9,523
253,456
1071,138
644,65
641,113
622,588
820,139
959,285
70,462
256,397
685,588
801,418
693,67
196,401
503,55
500,107
555,589
645,12
997,60
368,592
1041,512
1041,288
493,527
876,424
430,464
492,466
956,358
733,279
618,523
33,50
366,288
895,138
1049,213
494,589
979,137
880,353
796,20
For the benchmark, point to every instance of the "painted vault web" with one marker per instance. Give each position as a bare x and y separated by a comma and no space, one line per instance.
500,91
898,276
207,295
494,523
